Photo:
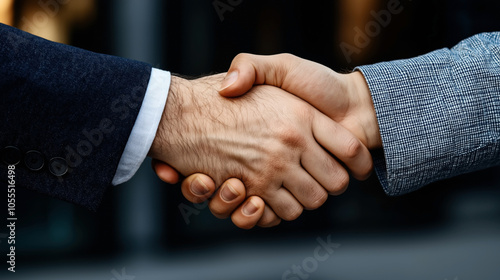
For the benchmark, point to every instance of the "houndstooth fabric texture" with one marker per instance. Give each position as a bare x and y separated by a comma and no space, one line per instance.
438,114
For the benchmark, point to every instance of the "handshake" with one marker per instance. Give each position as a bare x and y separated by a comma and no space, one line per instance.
276,133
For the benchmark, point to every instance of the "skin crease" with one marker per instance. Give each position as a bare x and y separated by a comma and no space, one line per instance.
345,98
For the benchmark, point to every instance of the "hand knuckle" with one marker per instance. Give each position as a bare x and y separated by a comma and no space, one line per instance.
317,199
353,148
287,56
291,137
242,56
293,213
340,183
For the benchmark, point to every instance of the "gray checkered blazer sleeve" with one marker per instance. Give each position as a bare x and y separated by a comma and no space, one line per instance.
439,114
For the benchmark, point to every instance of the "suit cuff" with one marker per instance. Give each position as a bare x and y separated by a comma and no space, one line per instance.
145,127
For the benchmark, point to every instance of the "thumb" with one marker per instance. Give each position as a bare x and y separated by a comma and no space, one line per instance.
248,70
239,79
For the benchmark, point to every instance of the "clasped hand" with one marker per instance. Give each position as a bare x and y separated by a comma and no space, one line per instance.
277,133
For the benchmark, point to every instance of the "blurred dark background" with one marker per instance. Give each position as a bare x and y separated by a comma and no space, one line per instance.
448,230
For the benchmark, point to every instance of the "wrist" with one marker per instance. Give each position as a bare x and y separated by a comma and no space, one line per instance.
187,123
364,110
171,116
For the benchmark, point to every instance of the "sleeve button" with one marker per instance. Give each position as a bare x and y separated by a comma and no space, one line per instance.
58,166
11,155
34,160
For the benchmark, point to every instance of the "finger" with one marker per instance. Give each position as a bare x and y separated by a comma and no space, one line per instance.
247,70
305,189
343,145
197,188
165,172
228,198
269,218
286,71
249,213
284,204
329,173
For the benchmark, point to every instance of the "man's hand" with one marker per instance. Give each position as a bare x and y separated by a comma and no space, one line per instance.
343,97
267,138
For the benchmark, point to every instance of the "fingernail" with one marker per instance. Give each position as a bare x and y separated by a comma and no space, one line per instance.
230,78
228,193
250,208
198,187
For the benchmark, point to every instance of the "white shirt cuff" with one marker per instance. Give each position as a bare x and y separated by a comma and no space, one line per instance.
145,127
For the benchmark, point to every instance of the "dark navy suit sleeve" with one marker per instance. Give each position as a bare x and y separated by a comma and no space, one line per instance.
66,115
